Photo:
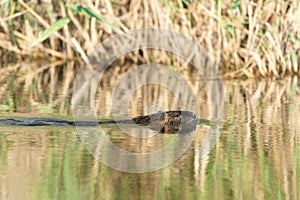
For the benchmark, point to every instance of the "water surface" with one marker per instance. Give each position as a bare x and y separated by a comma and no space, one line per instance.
258,158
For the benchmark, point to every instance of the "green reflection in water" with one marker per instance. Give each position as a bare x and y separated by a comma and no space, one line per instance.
258,158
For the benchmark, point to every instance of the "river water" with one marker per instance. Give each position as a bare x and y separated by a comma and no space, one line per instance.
257,158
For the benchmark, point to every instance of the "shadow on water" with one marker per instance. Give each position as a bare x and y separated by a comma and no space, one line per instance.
257,159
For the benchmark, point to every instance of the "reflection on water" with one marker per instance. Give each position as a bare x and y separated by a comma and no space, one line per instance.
257,159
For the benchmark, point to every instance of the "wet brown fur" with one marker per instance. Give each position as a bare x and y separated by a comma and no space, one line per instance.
166,118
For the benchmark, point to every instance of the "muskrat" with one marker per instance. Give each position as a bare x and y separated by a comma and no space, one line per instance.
166,122
170,118
170,121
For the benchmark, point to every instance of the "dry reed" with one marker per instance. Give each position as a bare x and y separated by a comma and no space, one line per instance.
245,38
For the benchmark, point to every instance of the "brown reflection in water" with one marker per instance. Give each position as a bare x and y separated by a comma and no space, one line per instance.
47,88
257,159
268,134
37,88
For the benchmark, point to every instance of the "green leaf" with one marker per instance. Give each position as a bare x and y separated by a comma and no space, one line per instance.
89,13
217,4
292,37
186,2
52,29
235,5
295,60
229,29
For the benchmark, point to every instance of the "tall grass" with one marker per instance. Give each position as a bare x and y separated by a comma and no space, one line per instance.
245,38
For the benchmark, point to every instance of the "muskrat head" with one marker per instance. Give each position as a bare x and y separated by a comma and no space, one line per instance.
167,118
174,122
179,117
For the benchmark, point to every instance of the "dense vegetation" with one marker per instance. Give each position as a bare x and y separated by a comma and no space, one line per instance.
246,38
